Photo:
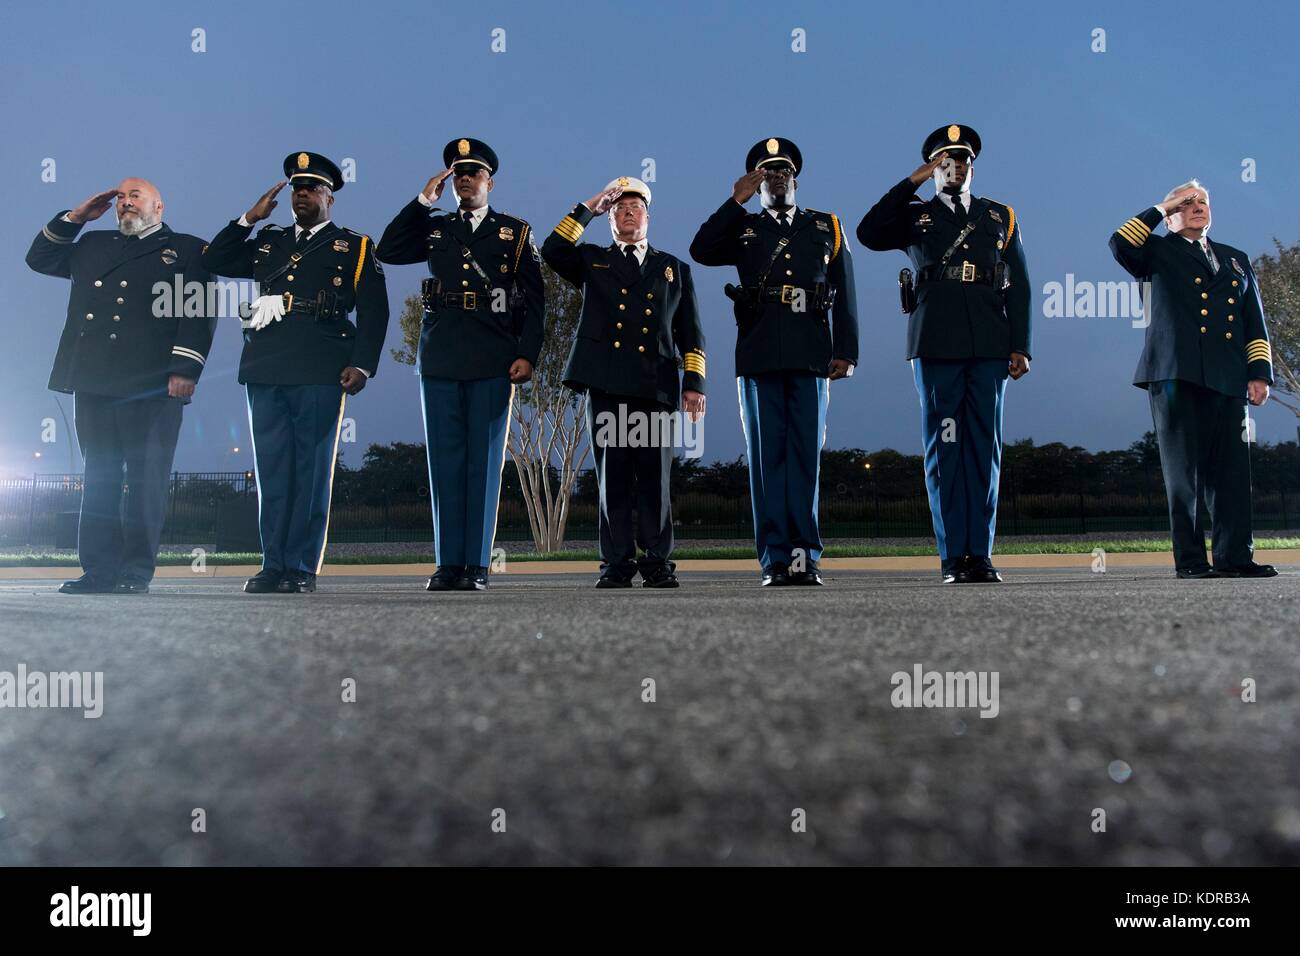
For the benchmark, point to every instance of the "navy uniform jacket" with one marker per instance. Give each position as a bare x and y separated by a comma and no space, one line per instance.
633,322
955,319
303,349
484,341
1206,328
782,338
112,343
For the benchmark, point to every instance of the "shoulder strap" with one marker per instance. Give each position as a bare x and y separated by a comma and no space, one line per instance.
297,257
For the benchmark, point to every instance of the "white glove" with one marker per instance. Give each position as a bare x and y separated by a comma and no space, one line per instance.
266,309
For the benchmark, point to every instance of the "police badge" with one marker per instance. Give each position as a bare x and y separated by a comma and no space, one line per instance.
668,273
169,256
506,234
340,245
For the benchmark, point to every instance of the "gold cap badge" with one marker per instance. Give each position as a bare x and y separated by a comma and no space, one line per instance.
303,161
623,181
462,147
772,147
954,133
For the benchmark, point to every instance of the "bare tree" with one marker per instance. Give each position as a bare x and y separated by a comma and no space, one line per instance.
548,422
1279,284
548,427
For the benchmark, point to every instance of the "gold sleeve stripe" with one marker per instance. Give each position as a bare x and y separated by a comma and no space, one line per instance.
361,259
1134,238
839,236
569,228
1011,223
1258,350
694,362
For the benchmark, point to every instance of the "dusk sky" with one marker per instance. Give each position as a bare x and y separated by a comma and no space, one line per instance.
1075,140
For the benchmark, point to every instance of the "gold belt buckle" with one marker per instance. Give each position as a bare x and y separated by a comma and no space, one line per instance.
288,301
787,294
968,272
469,301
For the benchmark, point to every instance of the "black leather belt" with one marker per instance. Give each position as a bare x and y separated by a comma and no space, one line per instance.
785,294
966,272
469,301
323,308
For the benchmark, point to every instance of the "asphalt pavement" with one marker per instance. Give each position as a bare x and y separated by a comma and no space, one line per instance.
515,727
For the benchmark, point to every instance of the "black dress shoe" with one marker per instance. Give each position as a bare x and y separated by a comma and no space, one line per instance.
474,579
88,584
445,578
957,571
1248,570
132,587
263,582
660,578
1202,572
777,576
811,577
981,571
297,582
613,581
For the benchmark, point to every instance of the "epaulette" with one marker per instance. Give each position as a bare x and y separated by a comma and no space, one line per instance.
835,227
1011,215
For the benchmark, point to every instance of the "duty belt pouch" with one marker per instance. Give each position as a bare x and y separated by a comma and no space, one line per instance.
429,289
326,305
744,305
907,291
1001,280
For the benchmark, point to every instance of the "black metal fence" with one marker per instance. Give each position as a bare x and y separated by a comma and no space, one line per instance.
221,508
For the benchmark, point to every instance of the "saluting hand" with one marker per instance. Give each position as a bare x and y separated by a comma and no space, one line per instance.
433,188
925,170
1018,366
94,207
601,202
746,186
262,208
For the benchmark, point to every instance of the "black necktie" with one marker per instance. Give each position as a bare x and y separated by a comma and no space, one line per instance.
303,238
958,208
1205,254
784,219
469,220
630,252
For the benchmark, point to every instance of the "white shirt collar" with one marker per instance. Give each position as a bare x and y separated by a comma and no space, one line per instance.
150,231
640,248
947,199
298,230
475,215
778,213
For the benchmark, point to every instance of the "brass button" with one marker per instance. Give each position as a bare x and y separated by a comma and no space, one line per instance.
1227,335
1198,281
1232,302
123,283
649,295
464,282
618,344
98,283
1205,295
1229,317
640,348
649,312
290,278
464,265
1234,283
89,316
787,255
788,272
120,300
117,318
624,291
1202,330
645,330
618,325
113,335
965,245
1205,311
621,307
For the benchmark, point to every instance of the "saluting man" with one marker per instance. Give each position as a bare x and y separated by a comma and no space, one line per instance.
301,358
131,368
638,312
1206,354
797,330
968,330
484,307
